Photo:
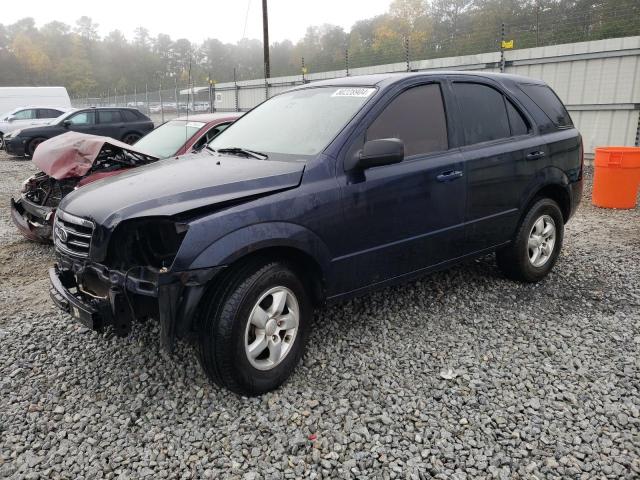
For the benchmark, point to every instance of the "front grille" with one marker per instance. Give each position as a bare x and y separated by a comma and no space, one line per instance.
72,235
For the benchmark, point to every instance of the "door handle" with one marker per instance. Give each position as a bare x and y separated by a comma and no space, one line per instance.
449,175
535,155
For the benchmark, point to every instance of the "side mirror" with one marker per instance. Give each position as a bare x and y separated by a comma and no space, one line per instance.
384,151
66,123
11,118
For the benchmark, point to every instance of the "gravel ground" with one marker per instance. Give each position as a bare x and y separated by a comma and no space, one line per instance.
461,375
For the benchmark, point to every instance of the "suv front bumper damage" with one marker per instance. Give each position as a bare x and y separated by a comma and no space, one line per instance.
98,297
34,221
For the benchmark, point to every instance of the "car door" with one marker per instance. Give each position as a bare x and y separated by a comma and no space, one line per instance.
497,140
24,119
408,216
83,122
110,124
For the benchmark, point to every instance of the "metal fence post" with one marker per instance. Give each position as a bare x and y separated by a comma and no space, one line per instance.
115,96
502,37
235,84
213,94
176,96
210,98
346,60
304,70
266,84
406,53
161,105
146,97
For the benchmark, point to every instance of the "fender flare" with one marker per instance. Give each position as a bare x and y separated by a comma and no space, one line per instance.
548,176
244,241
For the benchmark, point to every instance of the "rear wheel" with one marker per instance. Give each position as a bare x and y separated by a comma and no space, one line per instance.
536,246
33,144
253,329
131,138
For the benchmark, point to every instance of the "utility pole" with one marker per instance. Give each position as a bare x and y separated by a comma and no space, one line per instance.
265,39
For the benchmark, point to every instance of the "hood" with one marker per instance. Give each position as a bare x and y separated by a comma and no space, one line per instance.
172,186
72,154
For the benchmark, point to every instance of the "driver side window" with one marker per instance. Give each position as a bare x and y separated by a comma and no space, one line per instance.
416,117
83,118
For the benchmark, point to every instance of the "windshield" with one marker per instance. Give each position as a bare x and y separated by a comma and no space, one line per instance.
5,115
167,139
301,122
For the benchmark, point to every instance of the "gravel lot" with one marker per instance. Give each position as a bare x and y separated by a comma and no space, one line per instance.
461,375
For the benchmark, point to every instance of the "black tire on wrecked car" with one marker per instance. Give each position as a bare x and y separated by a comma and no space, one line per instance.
254,327
33,144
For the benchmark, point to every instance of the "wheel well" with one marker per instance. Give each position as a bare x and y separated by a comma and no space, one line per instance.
557,193
307,267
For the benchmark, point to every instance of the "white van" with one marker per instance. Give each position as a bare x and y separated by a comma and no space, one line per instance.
12,97
15,112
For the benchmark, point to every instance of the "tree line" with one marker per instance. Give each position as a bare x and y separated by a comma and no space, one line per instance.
87,64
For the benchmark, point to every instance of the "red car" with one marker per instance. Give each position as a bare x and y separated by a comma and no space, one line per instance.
73,159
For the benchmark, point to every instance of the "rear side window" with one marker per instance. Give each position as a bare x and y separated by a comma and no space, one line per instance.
109,116
484,113
416,117
549,103
129,116
519,126
48,113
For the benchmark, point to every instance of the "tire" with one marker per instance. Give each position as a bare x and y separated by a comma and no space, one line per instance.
226,330
33,144
131,138
519,260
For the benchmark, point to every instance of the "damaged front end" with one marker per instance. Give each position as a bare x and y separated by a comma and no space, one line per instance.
34,210
67,163
134,281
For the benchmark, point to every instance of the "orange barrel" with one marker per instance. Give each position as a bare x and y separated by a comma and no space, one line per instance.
616,177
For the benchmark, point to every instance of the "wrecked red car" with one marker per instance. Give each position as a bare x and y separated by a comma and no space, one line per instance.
71,160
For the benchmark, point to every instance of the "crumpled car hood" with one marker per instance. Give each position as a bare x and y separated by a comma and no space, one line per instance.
173,186
72,154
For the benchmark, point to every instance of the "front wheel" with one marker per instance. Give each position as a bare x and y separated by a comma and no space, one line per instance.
254,328
536,247
33,144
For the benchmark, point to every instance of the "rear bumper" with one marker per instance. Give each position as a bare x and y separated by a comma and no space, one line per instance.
97,297
33,221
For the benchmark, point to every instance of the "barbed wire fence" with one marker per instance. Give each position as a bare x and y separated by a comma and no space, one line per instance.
161,102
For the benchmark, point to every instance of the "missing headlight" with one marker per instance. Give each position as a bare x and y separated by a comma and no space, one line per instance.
151,242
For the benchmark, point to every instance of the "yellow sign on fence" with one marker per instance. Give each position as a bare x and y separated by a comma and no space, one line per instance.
507,44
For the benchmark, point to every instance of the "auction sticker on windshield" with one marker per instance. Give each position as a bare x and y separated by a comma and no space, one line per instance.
353,92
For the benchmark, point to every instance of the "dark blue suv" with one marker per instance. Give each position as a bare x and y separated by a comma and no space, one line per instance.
324,192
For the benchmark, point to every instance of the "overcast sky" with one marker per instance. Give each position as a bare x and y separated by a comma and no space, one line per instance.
199,19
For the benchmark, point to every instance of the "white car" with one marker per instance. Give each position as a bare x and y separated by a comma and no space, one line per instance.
24,117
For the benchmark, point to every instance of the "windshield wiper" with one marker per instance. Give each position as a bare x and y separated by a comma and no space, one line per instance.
243,151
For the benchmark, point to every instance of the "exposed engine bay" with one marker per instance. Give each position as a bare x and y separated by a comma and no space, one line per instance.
67,162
